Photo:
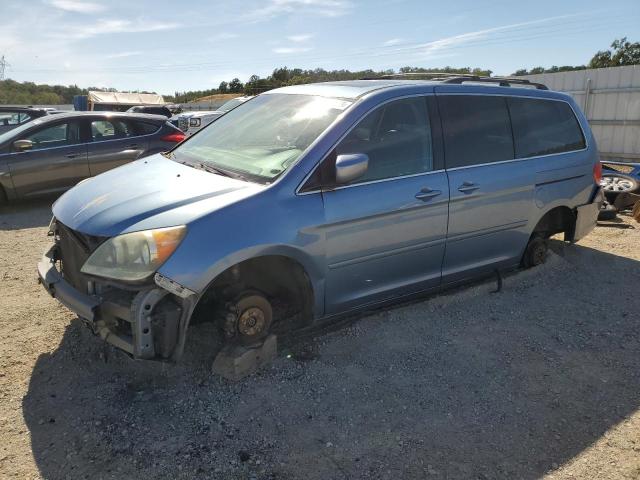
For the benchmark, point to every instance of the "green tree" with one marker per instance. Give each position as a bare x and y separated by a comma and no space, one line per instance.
224,86
623,53
235,85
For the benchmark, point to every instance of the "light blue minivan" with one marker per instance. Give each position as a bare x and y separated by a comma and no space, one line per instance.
313,201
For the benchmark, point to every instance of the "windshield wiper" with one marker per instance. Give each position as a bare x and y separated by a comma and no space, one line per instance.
211,169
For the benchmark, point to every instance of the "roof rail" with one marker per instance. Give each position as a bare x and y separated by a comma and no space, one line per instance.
502,81
414,75
458,78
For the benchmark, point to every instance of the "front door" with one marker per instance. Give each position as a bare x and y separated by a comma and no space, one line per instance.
56,161
385,232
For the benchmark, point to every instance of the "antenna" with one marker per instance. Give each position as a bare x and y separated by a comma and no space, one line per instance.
3,64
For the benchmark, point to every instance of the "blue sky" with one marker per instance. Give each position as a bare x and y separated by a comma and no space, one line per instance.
195,44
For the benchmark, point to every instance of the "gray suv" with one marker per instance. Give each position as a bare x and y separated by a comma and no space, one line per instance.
314,201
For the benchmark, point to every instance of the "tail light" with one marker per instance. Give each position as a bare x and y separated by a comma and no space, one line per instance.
597,173
175,137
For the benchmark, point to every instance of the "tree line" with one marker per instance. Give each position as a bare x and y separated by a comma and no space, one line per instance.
622,52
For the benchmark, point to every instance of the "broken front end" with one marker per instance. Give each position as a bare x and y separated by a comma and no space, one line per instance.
112,285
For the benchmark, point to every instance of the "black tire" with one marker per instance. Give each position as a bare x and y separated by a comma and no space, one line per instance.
607,212
614,183
254,315
536,252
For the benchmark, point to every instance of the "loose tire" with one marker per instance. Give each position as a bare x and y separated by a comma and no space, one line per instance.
535,253
614,183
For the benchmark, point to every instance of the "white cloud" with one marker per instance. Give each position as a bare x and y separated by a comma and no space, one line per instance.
78,6
124,54
393,41
431,48
108,26
290,50
299,38
325,8
223,36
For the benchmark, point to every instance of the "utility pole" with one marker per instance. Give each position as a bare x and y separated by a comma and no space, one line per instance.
3,64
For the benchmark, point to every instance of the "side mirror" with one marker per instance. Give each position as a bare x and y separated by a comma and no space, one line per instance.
351,166
22,145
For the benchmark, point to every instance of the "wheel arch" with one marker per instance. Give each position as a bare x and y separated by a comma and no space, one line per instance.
556,219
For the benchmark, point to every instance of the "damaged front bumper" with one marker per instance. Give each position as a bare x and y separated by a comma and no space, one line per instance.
148,323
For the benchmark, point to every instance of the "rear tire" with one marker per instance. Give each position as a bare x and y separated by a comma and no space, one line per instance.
536,252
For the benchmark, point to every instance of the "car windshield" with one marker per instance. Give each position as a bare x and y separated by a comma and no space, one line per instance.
231,104
260,139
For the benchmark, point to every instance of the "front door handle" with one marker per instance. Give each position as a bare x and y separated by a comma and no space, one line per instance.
468,187
73,155
426,193
132,146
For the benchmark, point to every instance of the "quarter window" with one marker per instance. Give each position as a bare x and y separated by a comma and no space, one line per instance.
59,135
476,129
396,137
144,128
543,127
109,130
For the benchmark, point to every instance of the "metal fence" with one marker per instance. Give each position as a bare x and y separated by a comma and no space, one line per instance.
610,98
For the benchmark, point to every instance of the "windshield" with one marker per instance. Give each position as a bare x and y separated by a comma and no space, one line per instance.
231,104
263,137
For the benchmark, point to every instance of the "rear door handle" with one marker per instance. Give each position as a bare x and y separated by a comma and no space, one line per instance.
134,145
72,155
468,187
426,194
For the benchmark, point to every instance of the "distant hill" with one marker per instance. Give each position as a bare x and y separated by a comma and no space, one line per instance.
218,98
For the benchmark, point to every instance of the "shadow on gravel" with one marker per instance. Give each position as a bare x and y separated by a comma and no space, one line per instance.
467,385
26,214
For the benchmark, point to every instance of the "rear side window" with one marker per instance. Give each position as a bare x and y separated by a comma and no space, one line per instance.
543,127
476,129
145,128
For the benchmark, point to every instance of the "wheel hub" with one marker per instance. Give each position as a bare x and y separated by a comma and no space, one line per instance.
251,322
616,184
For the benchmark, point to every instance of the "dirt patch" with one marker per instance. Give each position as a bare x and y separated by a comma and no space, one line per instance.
541,379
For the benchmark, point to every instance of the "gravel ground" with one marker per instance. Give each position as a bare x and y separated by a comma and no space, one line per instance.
539,380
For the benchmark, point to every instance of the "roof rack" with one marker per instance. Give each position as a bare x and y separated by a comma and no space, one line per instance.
458,78
502,81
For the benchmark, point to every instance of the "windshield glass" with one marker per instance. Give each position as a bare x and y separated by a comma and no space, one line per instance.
263,137
231,104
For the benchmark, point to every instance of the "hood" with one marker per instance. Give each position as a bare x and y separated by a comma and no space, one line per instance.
153,192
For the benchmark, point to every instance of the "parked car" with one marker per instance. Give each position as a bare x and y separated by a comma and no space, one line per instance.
54,152
314,201
151,109
12,117
191,122
621,187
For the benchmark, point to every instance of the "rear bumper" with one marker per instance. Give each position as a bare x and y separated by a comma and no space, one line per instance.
587,216
147,324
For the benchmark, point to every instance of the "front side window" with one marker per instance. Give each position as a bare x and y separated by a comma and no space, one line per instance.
476,129
59,135
396,137
260,139
109,130
544,127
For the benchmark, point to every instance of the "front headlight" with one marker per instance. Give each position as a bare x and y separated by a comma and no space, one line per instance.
194,122
134,256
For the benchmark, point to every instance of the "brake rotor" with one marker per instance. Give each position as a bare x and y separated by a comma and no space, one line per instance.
252,322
